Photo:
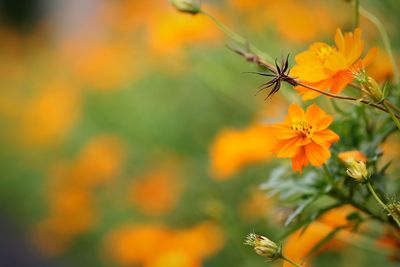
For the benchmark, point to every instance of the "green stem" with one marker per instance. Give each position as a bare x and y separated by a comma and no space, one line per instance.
371,189
394,118
290,261
385,39
357,13
383,205
236,37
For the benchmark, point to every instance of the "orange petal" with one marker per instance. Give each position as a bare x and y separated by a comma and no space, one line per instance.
296,112
340,81
302,141
352,155
313,113
286,149
299,160
339,40
316,154
318,118
324,122
325,137
370,56
283,131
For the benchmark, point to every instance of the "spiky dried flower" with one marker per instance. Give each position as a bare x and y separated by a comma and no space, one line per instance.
279,74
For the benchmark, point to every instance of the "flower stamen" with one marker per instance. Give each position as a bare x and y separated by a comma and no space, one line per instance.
323,53
302,128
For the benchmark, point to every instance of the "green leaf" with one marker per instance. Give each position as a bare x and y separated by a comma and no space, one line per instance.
307,220
303,205
287,186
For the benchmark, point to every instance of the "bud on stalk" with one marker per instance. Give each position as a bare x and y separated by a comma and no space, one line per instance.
263,246
187,6
357,169
369,86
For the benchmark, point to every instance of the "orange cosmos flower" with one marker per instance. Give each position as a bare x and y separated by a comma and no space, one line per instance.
329,67
304,136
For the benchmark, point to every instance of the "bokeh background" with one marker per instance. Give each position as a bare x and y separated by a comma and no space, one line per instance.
131,137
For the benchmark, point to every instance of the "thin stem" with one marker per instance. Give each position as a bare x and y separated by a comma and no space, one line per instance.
290,261
345,98
357,13
394,118
383,205
392,105
371,189
385,39
326,93
236,37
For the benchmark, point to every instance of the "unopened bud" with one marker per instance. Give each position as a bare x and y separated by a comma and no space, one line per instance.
187,6
372,90
369,86
264,247
357,170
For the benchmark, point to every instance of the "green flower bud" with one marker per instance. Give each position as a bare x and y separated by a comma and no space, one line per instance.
187,6
264,247
357,170
369,86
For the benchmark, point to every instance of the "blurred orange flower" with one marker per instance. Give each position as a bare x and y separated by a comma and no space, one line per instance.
304,136
380,68
50,114
99,161
352,155
301,243
156,192
158,246
169,32
131,244
105,66
391,150
70,194
197,239
233,149
71,213
303,20
329,67
390,241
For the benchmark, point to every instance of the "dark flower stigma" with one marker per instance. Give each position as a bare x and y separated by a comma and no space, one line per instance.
279,74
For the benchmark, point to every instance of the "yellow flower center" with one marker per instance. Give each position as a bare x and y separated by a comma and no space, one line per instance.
323,53
302,128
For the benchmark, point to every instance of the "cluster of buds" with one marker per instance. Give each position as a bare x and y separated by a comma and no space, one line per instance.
357,170
187,6
369,87
264,247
